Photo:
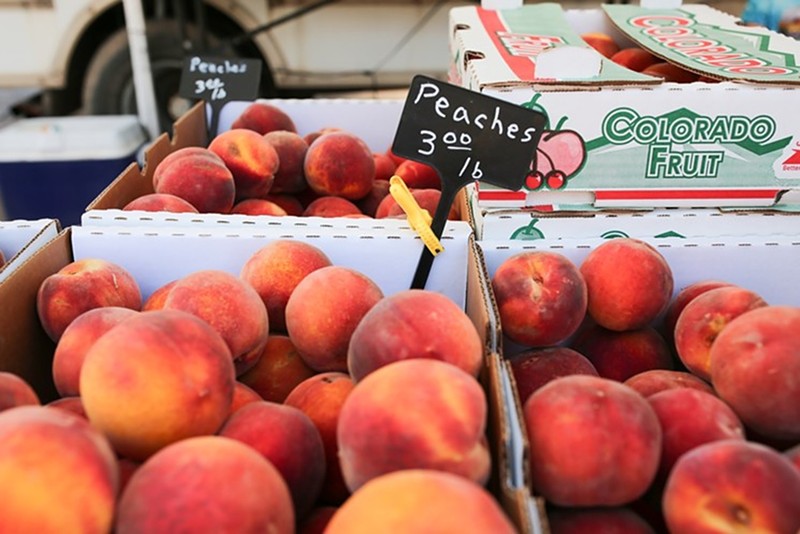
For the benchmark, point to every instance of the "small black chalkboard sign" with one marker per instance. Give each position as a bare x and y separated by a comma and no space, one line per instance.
466,136
219,80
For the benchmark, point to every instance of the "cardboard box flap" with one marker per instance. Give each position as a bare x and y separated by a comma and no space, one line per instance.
710,43
523,46
20,239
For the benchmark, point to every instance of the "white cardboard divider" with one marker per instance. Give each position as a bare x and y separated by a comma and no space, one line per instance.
19,239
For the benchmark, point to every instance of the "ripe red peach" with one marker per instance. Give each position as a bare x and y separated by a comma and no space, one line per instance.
679,302
291,148
156,299
732,486
76,341
80,286
534,368
755,362
441,425
593,442
541,297
369,204
690,418
629,283
670,72
621,355
230,305
384,166
321,398
634,58
605,520
290,204
420,500
59,473
602,42
427,199
160,202
704,318
274,271
339,164
15,391
650,382
330,206
286,437
415,323
72,404
206,483
418,175
793,454
264,118
198,176
323,311
142,379
252,160
242,396
279,369
312,136
257,206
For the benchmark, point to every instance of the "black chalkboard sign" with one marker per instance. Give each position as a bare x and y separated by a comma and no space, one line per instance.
466,136
219,80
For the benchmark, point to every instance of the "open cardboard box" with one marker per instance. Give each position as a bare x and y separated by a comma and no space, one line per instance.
621,139
21,238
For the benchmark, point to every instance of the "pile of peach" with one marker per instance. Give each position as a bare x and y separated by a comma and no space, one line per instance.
649,410
263,166
638,59
291,396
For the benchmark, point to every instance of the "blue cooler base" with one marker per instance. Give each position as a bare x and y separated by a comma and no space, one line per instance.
55,189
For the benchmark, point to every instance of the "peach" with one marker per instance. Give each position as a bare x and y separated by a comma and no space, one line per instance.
72,404
291,148
397,159
203,180
441,425
286,437
317,520
15,391
126,468
156,299
323,311
252,160
679,302
274,271
206,483
264,118
290,204
616,519
690,418
142,378
593,442
80,286
160,202
541,297
670,72
369,204
258,206
793,454
629,283
321,398
755,362
621,355
650,382
415,323
230,305
732,486
59,473
339,164
602,42
420,500
312,136
242,396
330,206
634,58
417,175
279,369
76,341
704,318
384,166
534,368
427,199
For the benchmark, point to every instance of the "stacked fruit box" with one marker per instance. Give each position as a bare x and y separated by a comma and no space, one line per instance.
657,231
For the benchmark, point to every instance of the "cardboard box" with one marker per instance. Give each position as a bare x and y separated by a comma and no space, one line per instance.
19,239
620,139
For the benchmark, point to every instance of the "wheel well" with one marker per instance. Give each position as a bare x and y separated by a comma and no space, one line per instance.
113,19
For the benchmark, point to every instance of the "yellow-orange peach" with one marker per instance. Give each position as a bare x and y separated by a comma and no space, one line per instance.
629,283
198,176
160,202
59,473
77,339
321,398
252,160
291,148
15,391
419,500
80,286
323,311
274,271
156,299
264,118
242,396
534,368
155,379
286,437
441,425
339,164
207,483
230,305
415,323
278,370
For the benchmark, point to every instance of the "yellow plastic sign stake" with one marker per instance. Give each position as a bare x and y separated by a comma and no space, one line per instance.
419,219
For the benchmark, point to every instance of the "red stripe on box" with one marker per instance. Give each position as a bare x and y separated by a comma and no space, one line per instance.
524,68
501,195
637,194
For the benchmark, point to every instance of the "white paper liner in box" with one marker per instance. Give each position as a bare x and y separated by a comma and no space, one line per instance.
19,239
